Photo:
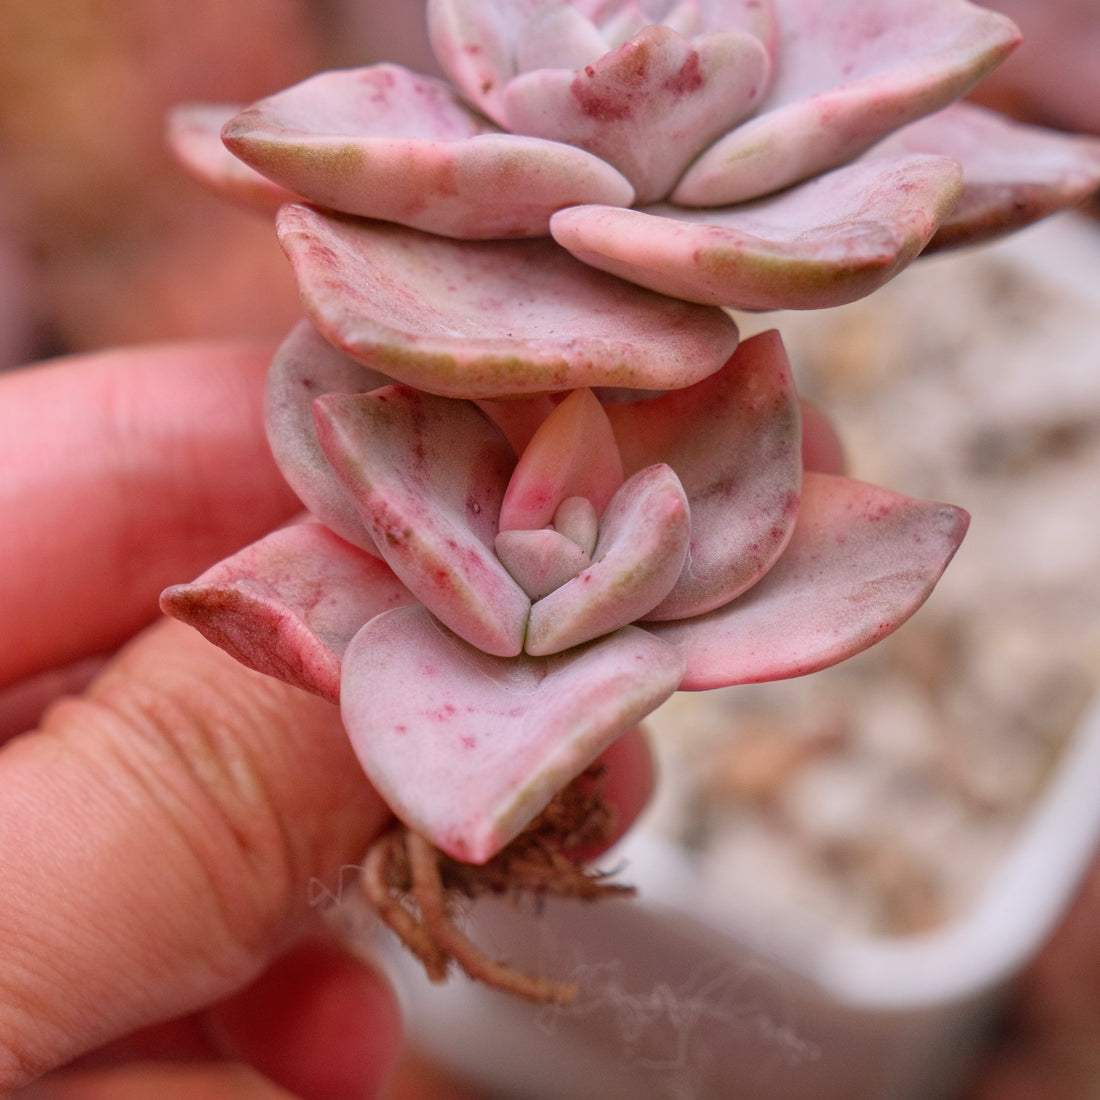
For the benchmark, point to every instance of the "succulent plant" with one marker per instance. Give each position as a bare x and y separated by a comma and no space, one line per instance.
546,487
517,583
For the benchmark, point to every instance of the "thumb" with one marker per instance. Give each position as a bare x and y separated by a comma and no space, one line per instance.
159,837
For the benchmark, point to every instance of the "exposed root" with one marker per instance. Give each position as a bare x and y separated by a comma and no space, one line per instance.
414,886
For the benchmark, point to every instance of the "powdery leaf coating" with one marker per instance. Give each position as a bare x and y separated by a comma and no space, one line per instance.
385,142
850,72
1013,174
195,138
467,748
491,318
289,604
823,243
734,441
428,475
572,454
304,368
649,107
643,540
861,561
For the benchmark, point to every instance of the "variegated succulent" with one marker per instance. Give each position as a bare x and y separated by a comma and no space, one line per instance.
546,488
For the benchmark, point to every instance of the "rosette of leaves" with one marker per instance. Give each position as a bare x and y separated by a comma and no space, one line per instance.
730,152
496,590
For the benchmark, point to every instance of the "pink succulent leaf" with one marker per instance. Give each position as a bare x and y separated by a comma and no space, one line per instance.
304,368
289,604
385,142
428,475
640,552
573,454
648,107
467,748
518,417
823,243
540,561
850,72
484,319
195,138
734,440
483,45
861,561
1013,174
578,520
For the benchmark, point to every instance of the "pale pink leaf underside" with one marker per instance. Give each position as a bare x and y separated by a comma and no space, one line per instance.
1013,174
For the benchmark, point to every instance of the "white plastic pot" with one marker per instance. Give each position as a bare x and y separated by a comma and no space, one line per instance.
679,1000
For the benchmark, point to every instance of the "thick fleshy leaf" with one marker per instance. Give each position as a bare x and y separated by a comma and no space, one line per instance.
861,561
195,137
850,72
824,243
648,107
734,441
385,142
1013,174
491,318
541,560
304,368
468,748
289,604
483,46
573,454
640,552
428,474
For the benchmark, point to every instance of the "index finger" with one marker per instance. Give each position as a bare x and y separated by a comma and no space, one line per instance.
124,472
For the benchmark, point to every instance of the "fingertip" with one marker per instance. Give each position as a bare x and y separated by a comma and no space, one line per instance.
320,1023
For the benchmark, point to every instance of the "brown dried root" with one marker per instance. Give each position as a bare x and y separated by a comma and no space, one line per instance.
414,886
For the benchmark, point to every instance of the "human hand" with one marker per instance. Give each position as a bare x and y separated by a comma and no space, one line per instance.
159,834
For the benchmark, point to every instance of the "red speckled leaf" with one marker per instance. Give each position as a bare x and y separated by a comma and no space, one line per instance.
733,439
861,561
492,318
482,46
289,604
428,474
468,748
648,107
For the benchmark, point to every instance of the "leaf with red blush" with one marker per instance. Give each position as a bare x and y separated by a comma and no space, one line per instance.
861,561
288,604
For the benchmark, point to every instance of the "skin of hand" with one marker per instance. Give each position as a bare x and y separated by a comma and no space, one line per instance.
163,831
